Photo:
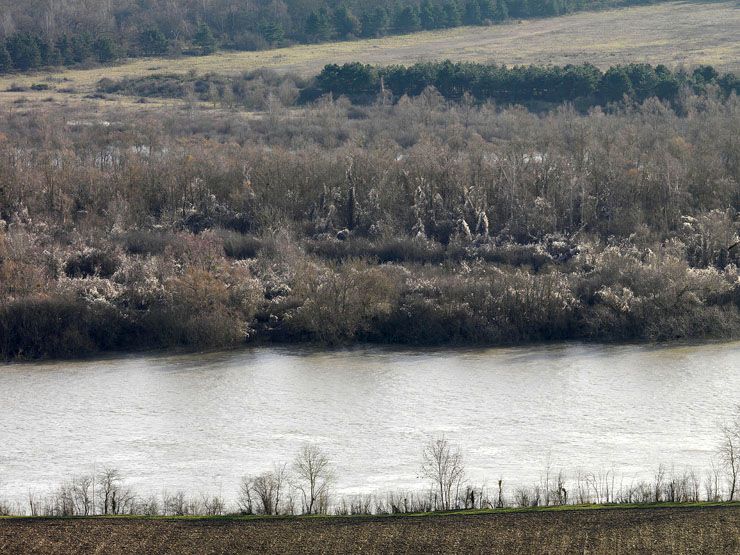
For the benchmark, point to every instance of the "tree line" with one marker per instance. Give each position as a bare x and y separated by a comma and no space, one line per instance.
584,84
37,34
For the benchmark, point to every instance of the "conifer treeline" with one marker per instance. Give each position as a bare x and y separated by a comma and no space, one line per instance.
520,84
38,33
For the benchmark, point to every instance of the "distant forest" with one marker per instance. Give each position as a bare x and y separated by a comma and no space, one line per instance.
42,33
539,88
521,84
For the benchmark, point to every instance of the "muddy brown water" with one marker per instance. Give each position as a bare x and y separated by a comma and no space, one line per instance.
200,422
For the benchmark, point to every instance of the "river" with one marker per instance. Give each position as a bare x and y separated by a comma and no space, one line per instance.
200,422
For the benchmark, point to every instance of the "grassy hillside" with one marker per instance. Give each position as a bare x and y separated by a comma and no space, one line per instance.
670,33
688,529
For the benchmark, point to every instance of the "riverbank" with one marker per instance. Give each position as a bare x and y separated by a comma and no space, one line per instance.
700,528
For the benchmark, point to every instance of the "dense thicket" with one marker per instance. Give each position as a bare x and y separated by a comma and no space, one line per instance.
36,33
536,87
420,221
584,84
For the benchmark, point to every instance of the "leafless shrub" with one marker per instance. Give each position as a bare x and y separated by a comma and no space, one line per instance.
264,493
312,477
729,454
114,497
442,464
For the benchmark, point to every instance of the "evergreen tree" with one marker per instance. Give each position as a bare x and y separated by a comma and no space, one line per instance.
428,15
500,11
643,80
81,48
24,51
48,52
487,9
452,17
345,22
6,62
518,8
729,83
407,20
318,28
667,87
614,84
375,22
272,31
105,49
353,80
705,74
472,14
205,40
544,8
153,42
64,47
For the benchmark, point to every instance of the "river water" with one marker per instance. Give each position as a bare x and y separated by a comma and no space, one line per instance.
200,422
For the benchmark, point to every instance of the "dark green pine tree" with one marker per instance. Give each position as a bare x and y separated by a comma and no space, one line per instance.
152,42
318,27
6,62
81,47
205,40
614,84
501,11
24,52
428,16
105,49
64,46
487,10
375,23
452,16
48,52
272,31
472,14
407,20
345,23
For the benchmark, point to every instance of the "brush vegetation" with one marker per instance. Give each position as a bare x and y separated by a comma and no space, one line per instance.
411,220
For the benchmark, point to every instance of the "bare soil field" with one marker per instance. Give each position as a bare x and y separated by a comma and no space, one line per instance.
685,530
672,33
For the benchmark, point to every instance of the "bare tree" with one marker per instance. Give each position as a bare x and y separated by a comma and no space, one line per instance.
268,488
214,505
312,478
113,498
443,465
176,504
82,487
109,480
245,500
712,487
729,454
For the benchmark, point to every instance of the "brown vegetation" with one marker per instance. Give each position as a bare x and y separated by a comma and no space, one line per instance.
419,222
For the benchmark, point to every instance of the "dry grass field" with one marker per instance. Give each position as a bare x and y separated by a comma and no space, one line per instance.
671,33
685,530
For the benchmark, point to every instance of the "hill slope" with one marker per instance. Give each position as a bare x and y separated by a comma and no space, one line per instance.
669,33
